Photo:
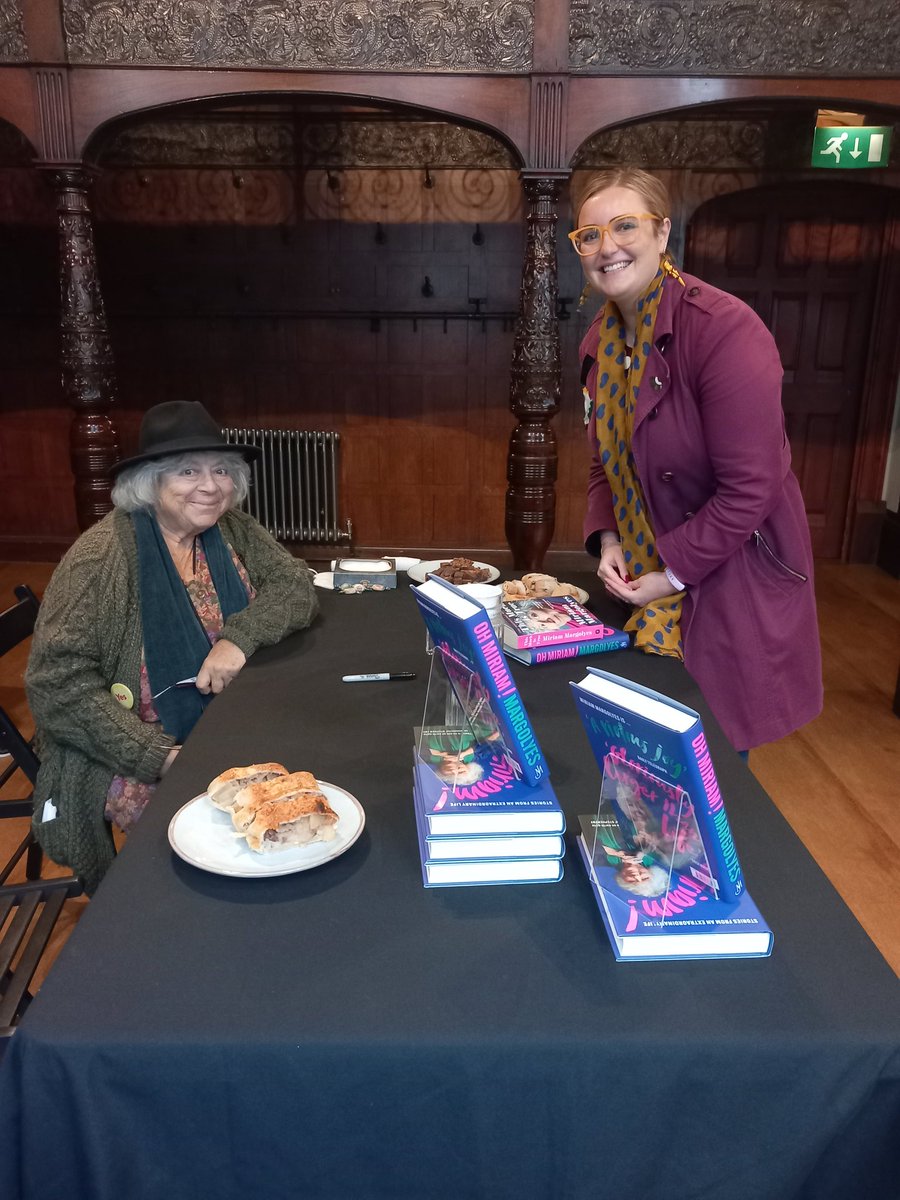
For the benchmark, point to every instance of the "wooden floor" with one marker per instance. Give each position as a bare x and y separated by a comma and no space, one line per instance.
837,781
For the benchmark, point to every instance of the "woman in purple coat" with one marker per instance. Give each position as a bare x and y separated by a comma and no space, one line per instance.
693,509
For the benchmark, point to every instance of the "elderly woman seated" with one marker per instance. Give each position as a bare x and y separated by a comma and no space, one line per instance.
152,612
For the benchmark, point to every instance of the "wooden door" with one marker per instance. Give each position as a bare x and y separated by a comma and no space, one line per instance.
806,258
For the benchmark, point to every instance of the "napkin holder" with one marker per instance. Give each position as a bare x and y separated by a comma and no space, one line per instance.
382,571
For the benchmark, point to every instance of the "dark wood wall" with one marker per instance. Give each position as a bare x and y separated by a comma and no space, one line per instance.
256,280
240,289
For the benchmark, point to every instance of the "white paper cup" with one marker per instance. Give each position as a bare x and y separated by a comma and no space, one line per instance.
487,594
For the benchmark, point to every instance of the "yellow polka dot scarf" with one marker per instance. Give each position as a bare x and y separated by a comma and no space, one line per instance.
656,626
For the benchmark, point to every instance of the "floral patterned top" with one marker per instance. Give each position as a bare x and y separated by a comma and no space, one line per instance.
127,798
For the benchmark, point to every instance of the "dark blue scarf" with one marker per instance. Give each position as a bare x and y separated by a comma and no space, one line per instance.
175,642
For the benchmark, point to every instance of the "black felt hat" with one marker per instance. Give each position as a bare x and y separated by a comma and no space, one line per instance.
178,427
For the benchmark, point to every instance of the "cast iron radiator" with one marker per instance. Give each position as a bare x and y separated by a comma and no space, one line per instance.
294,488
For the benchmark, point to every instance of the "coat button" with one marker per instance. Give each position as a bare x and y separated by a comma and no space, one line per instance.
688,515
694,291
652,414
667,477
656,383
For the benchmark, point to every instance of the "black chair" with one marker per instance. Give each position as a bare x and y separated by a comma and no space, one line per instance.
16,626
28,915
29,911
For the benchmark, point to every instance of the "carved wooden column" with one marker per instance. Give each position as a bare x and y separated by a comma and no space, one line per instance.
87,367
534,397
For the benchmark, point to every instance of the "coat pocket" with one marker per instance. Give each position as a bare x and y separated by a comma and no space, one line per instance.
771,567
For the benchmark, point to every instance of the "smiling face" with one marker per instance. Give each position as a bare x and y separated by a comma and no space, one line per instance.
192,499
623,273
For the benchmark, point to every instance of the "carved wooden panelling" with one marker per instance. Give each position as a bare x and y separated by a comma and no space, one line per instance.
279,198
735,37
372,35
782,142
13,47
281,142
52,89
547,122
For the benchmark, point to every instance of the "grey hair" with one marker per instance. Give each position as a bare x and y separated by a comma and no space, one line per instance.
137,487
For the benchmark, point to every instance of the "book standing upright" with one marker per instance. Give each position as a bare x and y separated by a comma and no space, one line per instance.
659,851
485,809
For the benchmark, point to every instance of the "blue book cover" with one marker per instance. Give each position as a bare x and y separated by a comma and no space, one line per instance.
658,735
464,638
473,871
487,800
615,639
654,913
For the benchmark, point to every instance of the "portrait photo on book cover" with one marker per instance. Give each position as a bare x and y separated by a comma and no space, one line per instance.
453,756
538,616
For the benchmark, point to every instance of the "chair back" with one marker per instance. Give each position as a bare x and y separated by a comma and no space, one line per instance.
17,623
29,910
16,626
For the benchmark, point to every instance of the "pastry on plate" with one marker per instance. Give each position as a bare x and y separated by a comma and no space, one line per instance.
225,787
292,821
249,799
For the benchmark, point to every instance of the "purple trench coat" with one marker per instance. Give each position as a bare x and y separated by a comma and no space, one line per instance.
715,465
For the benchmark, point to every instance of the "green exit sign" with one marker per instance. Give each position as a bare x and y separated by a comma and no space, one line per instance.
851,147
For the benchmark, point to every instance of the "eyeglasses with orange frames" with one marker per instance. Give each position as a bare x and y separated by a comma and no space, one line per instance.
622,230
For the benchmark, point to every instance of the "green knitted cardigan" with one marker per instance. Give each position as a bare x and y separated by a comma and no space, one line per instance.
88,636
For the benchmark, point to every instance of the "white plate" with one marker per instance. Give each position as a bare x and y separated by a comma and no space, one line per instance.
204,836
420,570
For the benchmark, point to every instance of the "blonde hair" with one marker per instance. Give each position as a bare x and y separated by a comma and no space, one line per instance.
652,191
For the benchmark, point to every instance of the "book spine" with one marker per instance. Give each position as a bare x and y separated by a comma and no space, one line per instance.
574,650
712,819
510,711
578,633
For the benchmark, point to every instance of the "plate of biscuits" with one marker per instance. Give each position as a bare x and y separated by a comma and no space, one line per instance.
263,820
454,570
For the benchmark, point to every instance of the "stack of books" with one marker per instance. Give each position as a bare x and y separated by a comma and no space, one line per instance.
485,809
493,829
554,627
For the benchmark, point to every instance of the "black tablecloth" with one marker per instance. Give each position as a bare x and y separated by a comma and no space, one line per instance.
344,1033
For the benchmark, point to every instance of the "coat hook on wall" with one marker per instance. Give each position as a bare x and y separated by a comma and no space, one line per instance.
427,182
144,180
427,289
478,236
380,235
237,180
334,184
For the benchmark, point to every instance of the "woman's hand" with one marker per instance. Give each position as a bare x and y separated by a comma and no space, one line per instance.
612,570
219,667
652,586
